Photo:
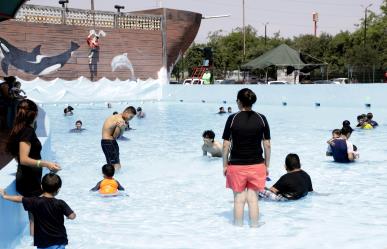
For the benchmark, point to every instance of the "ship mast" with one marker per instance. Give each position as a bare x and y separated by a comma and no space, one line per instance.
92,12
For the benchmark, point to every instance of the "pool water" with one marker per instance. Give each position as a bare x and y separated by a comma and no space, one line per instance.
177,197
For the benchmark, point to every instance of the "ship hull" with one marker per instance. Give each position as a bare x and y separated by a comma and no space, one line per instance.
147,51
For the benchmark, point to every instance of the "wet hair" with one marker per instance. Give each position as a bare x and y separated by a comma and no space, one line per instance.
78,121
370,115
139,109
209,134
26,113
221,108
10,79
336,132
354,148
114,113
359,117
346,130
51,183
292,162
346,123
130,109
246,97
17,83
70,108
108,170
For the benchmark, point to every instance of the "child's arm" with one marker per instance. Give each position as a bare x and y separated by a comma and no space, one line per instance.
96,188
14,198
120,186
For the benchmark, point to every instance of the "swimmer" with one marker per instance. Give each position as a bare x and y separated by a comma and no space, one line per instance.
108,185
342,149
109,105
348,124
229,110
113,127
221,110
370,120
294,185
78,127
335,134
68,111
140,113
210,145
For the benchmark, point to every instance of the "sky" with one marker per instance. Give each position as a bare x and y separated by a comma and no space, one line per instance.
289,17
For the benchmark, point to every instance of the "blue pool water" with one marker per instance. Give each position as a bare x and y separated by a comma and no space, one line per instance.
177,197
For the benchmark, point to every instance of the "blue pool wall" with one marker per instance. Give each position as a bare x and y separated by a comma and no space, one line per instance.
13,218
351,95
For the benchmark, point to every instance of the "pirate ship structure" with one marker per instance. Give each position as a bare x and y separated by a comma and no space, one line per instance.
50,42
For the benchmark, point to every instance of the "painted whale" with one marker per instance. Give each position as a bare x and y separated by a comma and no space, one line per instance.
32,63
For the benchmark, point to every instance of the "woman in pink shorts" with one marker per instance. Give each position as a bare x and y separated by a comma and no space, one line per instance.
244,166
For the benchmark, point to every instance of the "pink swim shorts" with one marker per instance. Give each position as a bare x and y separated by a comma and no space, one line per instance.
241,177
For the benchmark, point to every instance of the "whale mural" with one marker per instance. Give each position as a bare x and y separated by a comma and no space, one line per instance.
34,62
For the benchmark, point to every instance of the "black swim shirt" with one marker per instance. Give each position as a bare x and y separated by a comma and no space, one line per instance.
246,130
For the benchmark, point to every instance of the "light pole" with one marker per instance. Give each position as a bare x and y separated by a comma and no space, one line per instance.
244,32
265,24
365,22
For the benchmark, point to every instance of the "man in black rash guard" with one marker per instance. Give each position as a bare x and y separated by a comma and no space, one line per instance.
244,166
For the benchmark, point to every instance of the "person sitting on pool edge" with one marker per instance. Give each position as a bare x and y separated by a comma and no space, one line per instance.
108,185
78,127
343,150
294,185
210,145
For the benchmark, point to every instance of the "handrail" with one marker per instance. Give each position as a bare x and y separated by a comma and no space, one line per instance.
80,17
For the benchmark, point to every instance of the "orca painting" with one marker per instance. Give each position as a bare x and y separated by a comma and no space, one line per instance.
32,63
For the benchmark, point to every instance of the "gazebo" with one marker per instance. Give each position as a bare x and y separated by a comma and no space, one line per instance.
283,56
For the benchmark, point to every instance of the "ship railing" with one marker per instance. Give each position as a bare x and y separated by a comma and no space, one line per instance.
79,17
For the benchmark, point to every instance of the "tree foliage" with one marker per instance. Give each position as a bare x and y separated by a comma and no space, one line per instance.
345,52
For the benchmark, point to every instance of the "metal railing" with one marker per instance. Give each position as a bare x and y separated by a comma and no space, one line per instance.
80,17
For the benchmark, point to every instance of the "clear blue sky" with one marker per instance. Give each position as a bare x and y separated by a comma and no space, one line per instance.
290,17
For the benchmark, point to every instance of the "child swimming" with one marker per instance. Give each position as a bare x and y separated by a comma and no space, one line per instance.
108,185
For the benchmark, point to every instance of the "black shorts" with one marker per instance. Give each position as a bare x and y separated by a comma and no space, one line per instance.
111,150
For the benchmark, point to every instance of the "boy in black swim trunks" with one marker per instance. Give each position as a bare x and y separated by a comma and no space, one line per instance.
114,127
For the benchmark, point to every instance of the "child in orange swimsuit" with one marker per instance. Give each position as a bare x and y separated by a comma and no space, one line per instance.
108,185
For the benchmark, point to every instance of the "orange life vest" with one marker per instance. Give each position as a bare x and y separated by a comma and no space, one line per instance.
108,186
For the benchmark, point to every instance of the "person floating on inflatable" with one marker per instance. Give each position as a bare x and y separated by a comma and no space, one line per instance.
108,186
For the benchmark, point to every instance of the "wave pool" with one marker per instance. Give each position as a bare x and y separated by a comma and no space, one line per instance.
177,197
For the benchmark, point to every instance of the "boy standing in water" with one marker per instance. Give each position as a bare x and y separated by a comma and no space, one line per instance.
114,127
48,212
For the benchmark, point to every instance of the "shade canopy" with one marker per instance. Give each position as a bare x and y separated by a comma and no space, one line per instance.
9,8
282,55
